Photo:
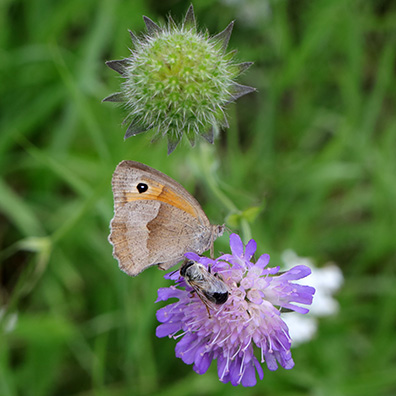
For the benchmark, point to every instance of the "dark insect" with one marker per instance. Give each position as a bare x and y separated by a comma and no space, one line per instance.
210,288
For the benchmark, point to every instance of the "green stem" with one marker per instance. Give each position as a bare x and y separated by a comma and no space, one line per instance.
214,187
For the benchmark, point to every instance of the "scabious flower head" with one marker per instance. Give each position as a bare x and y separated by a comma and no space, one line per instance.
178,80
249,320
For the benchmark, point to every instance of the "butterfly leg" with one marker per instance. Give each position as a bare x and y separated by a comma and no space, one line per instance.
211,246
212,249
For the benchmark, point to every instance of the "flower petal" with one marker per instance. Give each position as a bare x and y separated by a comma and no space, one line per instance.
187,347
203,360
263,261
236,245
192,256
165,293
167,329
271,361
250,249
167,313
249,376
297,272
259,369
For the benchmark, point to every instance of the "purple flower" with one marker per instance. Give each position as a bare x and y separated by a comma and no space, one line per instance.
251,315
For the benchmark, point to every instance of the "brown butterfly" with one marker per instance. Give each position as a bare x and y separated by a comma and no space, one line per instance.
155,220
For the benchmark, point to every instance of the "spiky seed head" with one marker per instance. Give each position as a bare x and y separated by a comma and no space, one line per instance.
178,80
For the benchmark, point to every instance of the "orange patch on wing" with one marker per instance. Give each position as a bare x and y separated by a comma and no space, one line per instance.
157,192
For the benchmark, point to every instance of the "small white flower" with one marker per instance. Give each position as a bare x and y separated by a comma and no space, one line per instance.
326,281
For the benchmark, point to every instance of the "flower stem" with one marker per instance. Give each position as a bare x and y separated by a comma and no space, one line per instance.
208,166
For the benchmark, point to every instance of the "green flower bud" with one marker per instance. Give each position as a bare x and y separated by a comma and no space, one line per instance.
178,80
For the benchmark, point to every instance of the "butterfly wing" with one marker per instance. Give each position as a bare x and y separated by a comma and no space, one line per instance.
174,232
156,220
129,234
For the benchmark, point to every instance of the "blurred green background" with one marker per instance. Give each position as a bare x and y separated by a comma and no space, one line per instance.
315,148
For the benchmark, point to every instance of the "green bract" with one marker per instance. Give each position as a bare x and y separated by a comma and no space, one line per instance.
178,80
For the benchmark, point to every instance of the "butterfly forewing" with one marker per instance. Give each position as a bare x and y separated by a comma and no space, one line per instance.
156,221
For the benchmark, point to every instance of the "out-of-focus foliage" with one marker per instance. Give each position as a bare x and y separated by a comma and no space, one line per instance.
308,163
